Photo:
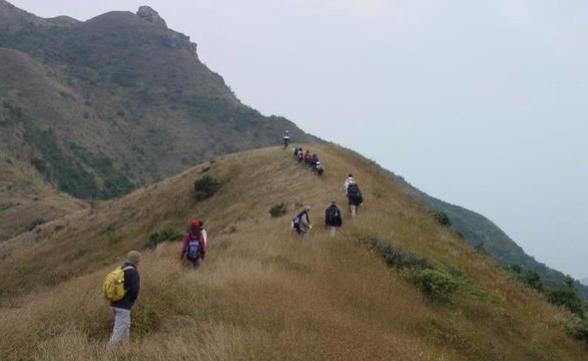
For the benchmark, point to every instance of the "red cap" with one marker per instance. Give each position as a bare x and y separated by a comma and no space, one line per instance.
195,223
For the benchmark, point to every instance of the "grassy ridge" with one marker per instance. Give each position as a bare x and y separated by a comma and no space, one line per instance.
264,293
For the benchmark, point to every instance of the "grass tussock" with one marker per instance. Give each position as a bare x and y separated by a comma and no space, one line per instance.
264,293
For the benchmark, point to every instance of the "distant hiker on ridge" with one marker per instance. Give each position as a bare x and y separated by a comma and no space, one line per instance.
121,288
301,223
333,219
194,245
286,139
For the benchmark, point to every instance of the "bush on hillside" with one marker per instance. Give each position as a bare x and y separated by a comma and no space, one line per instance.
530,279
439,285
443,219
480,248
565,295
205,187
159,237
533,281
279,210
396,258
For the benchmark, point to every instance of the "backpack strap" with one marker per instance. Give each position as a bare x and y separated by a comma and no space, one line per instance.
127,268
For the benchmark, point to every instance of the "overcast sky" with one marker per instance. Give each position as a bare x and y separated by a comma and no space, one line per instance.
480,103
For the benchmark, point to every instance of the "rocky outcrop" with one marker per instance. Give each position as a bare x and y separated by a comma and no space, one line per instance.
150,15
177,40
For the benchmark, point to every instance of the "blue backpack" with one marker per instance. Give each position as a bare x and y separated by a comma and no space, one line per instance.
193,252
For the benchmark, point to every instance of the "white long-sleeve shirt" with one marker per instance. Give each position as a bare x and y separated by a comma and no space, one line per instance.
348,181
204,237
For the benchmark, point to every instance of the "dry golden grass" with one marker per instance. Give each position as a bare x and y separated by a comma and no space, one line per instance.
264,293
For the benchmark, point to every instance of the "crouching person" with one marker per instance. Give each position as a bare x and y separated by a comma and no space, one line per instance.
121,288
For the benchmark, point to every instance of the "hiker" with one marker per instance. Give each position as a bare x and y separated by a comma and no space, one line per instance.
194,245
300,155
307,157
286,139
314,160
348,181
122,307
333,219
317,169
295,152
302,222
355,198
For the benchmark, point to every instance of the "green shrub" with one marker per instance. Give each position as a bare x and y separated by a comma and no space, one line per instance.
163,236
565,295
205,187
439,285
573,325
279,210
395,258
533,280
443,219
144,319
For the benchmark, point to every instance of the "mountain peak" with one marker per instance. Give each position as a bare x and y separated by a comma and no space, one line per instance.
152,16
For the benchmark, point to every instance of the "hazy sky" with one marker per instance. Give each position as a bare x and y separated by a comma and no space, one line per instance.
480,103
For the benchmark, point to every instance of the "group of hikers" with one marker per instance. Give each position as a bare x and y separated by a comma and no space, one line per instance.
311,160
122,285
333,218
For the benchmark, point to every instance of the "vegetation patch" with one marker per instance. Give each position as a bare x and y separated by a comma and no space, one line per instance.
159,237
443,219
144,319
205,187
470,345
436,282
565,295
279,210
395,258
35,223
439,285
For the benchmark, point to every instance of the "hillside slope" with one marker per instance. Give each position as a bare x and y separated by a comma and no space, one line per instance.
263,293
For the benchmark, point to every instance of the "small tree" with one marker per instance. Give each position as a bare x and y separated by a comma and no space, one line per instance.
533,280
565,295
205,187
443,219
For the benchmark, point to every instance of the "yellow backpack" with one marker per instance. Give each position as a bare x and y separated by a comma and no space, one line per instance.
114,285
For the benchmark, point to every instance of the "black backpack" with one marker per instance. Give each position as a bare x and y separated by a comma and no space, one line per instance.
333,216
296,221
354,194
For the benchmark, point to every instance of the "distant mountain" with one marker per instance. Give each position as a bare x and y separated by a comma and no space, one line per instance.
100,107
584,281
